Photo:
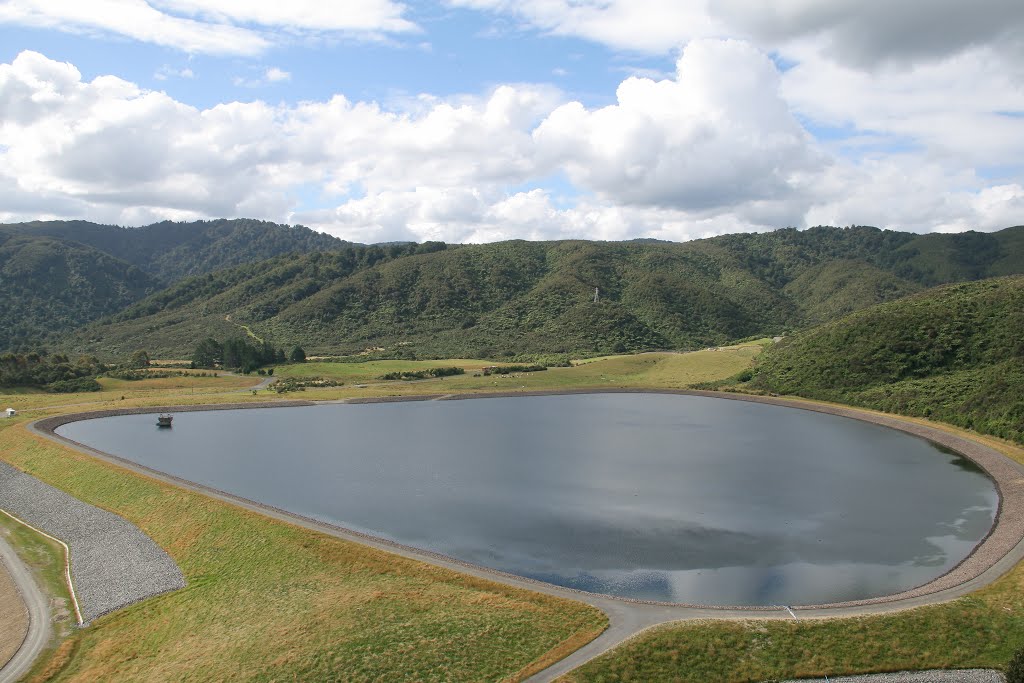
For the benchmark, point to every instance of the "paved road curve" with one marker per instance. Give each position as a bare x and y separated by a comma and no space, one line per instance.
38,616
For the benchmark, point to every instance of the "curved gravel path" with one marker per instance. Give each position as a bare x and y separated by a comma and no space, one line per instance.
14,616
997,554
37,633
113,564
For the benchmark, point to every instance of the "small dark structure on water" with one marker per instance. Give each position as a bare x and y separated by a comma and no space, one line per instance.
164,420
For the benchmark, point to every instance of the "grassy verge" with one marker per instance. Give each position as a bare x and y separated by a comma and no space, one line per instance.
981,630
192,388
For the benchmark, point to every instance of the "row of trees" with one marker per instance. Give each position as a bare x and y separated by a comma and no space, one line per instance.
54,372
242,354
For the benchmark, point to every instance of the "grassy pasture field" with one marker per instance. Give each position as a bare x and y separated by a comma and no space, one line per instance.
647,370
191,384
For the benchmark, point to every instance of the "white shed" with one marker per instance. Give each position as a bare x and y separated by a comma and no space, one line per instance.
10,412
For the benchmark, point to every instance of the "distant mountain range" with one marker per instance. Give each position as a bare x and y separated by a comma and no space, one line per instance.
169,251
58,275
493,300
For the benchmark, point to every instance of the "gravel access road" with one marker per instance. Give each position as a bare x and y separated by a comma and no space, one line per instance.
113,564
31,625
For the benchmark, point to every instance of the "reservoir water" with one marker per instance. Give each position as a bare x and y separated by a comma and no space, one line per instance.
656,497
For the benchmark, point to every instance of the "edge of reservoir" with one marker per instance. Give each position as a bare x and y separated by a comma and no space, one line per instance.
1006,533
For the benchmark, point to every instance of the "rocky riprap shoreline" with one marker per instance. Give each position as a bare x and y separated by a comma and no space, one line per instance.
113,564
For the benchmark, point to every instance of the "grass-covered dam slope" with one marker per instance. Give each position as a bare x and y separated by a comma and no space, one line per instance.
953,354
267,601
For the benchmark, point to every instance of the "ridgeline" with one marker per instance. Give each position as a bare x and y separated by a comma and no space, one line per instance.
518,298
58,275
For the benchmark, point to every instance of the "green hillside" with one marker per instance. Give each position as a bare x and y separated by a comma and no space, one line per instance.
482,300
518,297
955,353
48,286
169,251
834,288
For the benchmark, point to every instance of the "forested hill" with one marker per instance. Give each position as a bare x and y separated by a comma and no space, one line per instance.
538,297
49,285
169,251
955,354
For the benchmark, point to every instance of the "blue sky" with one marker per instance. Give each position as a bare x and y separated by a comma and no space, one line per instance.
476,120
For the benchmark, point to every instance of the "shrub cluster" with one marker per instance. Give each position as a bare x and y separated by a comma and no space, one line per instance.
283,386
42,370
510,369
242,354
133,375
424,374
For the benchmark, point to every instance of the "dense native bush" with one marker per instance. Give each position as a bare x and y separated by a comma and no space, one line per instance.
954,354
42,370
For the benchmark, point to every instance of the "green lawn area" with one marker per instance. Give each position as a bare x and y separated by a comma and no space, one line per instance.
369,371
121,393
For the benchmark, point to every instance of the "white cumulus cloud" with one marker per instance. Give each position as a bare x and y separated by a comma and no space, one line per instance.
714,149
719,134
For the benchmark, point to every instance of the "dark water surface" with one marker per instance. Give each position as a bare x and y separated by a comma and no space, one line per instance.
677,498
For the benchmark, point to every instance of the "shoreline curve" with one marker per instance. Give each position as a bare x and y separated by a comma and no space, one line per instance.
1005,535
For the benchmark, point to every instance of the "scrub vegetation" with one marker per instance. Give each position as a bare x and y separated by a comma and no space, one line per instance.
954,354
518,301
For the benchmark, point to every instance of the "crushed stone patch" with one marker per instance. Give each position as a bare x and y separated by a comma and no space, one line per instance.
113,564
